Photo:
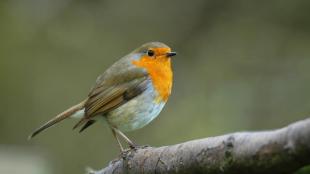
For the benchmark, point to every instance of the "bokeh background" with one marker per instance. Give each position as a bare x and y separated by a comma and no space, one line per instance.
241,65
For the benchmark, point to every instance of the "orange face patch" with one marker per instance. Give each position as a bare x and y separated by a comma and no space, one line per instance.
159,69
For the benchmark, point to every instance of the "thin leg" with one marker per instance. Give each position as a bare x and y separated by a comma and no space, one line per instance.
118,141
131,144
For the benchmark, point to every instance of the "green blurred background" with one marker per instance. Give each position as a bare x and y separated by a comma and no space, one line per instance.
241,65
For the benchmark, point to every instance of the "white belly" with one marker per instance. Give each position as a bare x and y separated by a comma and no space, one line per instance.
137,112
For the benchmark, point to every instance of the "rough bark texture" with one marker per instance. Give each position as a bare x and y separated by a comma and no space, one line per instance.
278,151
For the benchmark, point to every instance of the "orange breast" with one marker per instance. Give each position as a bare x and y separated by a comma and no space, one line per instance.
160,72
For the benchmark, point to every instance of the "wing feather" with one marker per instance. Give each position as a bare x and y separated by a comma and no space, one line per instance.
119,84
101,102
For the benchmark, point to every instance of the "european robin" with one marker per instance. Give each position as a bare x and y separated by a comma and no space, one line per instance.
128,95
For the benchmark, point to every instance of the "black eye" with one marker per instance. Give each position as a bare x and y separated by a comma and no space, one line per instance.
150,53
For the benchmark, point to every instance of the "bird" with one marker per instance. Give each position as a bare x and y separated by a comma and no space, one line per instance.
128,95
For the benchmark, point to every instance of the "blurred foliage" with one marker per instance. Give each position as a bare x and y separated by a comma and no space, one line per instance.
242,65
304,170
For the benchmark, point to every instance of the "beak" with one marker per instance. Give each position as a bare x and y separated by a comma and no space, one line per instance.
171,54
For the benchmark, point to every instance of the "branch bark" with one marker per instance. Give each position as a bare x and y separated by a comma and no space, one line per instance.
277,151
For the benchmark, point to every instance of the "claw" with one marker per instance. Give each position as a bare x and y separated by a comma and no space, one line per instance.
137,147
125,153
133,146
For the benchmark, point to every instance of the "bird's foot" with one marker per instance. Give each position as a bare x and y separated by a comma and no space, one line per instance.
132,148
125,153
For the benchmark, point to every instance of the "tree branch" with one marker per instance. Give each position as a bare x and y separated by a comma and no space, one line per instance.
278,151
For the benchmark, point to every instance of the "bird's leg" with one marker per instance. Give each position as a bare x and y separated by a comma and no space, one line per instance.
131,144
118,141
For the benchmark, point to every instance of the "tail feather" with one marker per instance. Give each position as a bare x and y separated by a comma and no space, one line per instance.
87,124
58,118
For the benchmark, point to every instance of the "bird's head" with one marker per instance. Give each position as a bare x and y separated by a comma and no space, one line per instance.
155,51
155,57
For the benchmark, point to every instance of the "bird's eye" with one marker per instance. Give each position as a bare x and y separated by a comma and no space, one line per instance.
150,53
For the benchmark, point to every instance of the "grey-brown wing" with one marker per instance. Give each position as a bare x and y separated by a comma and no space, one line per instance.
104,99
118,84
